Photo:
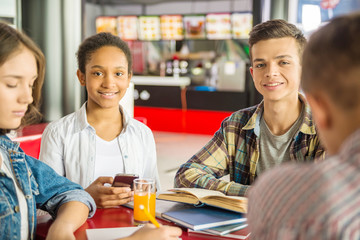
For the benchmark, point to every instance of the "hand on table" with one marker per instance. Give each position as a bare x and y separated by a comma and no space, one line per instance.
106,197
149,231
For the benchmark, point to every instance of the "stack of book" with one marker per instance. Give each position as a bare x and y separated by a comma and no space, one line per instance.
207,212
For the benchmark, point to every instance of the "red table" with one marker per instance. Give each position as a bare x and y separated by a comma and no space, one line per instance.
114,217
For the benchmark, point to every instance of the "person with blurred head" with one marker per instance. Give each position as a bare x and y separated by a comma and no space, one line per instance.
100,140
322,200
278,130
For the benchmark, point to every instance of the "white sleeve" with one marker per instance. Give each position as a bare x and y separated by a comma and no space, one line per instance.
150,167
51,150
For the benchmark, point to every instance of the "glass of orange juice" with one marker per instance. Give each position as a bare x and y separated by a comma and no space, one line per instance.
144,194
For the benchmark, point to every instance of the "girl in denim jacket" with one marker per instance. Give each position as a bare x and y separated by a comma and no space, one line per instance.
26,183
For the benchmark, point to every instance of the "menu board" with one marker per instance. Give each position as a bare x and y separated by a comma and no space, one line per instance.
149,28
171,27
194,26
218,26
106,24
127,27
241,25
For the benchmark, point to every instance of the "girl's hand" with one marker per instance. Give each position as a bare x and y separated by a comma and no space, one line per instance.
106,197
149,231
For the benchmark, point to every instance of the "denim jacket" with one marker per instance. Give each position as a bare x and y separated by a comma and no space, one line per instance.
43,188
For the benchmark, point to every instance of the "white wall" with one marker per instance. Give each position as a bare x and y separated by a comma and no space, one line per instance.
62,36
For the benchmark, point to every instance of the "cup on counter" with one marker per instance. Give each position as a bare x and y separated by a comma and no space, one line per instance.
144,194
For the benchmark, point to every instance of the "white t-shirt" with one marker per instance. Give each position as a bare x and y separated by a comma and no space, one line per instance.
22,202
108,160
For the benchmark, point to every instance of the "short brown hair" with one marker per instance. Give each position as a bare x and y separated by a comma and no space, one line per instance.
276,28
331,61
11,41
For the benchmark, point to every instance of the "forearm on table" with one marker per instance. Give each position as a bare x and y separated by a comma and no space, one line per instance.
196,177
72,214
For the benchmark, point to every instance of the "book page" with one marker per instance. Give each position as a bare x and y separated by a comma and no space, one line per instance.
209,197
234,203
199,192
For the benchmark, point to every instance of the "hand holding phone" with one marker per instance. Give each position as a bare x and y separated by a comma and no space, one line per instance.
124,180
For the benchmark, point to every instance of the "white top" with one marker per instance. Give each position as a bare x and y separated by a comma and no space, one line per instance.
108,161
68,145
23,208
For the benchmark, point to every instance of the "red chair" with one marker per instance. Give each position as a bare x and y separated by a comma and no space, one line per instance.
29,138
141,119
30,145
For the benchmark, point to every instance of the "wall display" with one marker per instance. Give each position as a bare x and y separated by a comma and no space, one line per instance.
171,27
214,26
149,28
194,26
106,24
218,26
127,27
241,25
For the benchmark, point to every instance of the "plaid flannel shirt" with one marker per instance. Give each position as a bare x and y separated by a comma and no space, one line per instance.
234,150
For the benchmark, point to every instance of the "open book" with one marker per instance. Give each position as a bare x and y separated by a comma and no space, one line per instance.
204,196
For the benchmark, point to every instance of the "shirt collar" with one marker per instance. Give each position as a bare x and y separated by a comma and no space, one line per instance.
7,144
81,116
307,126
350,146
83,123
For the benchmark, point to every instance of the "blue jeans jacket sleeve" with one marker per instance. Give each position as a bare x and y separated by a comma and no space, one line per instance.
42,187
54,190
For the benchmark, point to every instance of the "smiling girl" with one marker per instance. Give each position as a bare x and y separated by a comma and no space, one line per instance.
100,140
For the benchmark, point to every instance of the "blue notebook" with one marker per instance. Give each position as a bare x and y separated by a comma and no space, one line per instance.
199,218
226,229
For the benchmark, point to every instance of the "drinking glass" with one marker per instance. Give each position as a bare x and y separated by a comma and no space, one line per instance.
144,194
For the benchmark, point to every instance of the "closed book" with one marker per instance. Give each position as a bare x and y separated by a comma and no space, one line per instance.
199,218
199,196
226,229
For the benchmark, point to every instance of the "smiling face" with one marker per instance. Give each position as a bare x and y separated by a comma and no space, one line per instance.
17,77
276,68
106,77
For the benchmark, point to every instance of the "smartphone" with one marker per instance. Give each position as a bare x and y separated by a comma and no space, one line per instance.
124,180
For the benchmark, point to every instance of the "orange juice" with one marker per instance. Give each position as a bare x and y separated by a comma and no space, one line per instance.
148,201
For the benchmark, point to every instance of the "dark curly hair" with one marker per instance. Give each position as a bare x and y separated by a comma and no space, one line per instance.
12,40
93,43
